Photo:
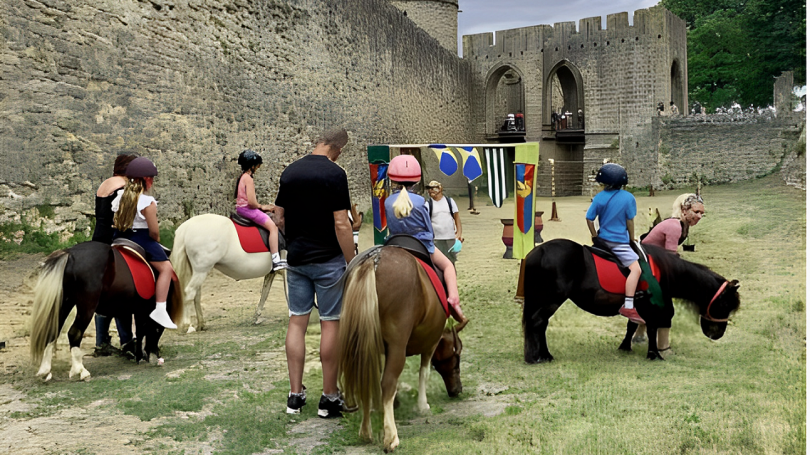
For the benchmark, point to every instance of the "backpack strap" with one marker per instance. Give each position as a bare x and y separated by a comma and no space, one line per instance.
430,206
450,205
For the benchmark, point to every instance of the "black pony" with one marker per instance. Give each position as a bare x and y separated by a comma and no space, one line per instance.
561,269
94,278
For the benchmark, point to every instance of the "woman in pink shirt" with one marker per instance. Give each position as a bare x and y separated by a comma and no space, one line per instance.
687,211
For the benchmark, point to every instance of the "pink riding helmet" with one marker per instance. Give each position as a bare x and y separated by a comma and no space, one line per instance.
405,168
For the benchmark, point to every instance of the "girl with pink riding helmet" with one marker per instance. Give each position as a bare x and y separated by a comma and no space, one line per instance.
248,207
408,214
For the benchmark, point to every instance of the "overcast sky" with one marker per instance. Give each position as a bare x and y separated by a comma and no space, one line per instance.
479,16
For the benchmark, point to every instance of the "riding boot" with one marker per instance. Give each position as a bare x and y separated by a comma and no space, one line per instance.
160,316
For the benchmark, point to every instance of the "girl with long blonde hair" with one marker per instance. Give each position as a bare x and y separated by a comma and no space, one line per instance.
407,213
136,219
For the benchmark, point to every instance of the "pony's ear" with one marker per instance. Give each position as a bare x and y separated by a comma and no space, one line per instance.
734,285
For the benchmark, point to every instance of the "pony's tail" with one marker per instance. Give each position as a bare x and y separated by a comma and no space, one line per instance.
403,204
47,303
183,270
360,339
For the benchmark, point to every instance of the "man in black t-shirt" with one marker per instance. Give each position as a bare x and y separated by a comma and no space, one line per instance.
313,198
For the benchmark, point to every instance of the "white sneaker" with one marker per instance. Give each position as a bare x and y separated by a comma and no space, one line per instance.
160,316
280,265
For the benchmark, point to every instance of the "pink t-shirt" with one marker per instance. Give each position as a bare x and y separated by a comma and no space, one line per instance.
241,192
665,234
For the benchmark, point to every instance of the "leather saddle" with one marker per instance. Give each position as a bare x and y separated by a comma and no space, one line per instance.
264,234
142,273
417,249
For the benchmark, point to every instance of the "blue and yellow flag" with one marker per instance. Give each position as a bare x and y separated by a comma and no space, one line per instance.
526,156
470,162
448,163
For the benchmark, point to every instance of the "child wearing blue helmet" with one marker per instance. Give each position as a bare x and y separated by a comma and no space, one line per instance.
616,209
248,206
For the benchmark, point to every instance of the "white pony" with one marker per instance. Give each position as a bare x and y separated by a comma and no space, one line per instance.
210,241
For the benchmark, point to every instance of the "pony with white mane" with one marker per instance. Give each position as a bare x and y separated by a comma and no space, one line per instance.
209,241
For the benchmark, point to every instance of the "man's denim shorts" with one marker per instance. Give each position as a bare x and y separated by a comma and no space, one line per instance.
624,252
322,279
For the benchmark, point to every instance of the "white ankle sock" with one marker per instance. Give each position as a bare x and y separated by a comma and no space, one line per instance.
628,303
276,257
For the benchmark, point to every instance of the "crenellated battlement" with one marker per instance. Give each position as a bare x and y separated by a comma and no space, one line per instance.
648,24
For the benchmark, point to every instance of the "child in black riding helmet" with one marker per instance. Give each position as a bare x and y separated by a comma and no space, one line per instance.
616,209
248,207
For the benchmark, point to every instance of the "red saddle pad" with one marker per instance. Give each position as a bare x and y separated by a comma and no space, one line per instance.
142,275
612,279
250,239
437,285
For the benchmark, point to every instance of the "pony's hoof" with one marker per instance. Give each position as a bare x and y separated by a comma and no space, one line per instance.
640,339
85,375
191,329
539,360
47,378
625,348
390,447
654,355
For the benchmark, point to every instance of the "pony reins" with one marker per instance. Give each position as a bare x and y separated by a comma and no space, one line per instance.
708,316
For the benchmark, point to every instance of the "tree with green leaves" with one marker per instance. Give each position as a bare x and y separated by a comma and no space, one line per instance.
736,48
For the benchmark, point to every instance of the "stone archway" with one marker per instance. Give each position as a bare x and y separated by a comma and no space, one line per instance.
563,90
676,86
505,94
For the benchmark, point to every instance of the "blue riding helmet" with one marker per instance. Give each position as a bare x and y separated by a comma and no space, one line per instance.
612,175
248,159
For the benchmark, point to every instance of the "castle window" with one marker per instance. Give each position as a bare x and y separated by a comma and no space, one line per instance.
569,48
608,43
637,38
582,46
405,13
659,36
622,40
594,44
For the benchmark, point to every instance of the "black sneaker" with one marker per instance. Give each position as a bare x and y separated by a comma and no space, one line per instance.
329,409
296,401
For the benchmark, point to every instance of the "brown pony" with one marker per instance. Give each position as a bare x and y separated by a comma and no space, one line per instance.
391,309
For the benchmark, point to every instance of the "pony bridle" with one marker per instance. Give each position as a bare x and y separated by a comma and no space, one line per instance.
708,316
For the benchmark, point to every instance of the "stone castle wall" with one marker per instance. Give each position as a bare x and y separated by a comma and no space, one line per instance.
721,148
191,83
439,18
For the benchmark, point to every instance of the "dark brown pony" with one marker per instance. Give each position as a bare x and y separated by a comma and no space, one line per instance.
561,269
93,278
391,309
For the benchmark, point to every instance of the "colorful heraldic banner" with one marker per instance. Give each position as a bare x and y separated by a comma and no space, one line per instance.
496,174
526,156
471,162
448,163
378,158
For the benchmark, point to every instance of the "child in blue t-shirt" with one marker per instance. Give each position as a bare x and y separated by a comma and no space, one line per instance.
616,209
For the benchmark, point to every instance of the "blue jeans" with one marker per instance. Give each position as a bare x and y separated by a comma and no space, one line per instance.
304,282
124,327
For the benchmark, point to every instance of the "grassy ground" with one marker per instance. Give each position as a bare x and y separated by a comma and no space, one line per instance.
223,390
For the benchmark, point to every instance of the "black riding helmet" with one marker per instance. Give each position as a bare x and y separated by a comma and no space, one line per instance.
612,175
141,167
248,159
